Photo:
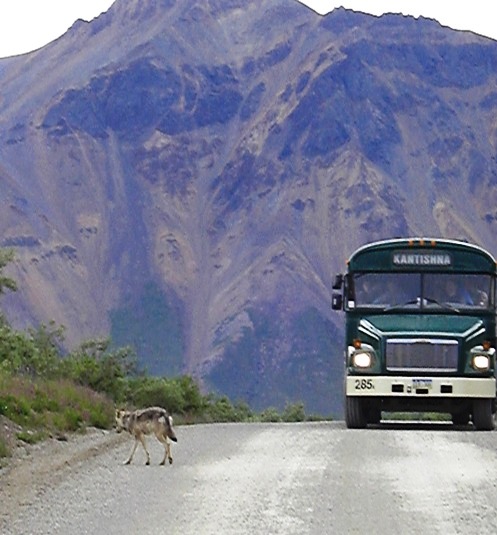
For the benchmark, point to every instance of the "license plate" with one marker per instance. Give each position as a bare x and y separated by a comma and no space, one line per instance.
421,383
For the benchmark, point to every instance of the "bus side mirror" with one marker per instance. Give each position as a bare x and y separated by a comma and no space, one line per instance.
338,282
337,302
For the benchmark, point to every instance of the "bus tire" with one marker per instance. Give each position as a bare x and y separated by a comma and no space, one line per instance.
460,418
355,415
373,415
483,419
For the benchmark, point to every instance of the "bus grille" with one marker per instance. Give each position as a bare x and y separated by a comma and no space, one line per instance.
417,354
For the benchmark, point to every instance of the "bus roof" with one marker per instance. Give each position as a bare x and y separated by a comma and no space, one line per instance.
422,254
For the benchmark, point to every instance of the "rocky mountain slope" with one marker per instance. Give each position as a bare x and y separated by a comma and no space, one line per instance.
188,178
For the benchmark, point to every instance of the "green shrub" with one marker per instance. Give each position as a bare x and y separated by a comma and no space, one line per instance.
154,391
92,365
15,408
47,340
42,401
6,256
193,400
294,413
18,353
242,412
220,409
270,414
72,420
33,353
179,395
101,416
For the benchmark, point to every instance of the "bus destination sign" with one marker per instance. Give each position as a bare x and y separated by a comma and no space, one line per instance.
421,259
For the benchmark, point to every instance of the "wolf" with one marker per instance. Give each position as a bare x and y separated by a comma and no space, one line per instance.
143,422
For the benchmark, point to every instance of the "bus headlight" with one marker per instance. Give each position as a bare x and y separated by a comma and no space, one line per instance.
481,362
362,360
482,357
361,355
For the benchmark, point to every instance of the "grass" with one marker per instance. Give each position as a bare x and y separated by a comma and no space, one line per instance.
4,448
417,416
45,408
30,437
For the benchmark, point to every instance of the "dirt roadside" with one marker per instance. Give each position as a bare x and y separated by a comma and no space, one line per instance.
32,468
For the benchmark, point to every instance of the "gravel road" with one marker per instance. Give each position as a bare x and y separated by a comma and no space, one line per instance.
309,478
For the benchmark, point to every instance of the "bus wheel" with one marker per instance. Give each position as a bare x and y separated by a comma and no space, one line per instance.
483,419
460,418
373,415
355,416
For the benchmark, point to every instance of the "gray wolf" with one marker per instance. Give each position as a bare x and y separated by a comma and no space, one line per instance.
143,422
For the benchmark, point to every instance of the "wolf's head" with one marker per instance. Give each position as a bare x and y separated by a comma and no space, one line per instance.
121,417
168,421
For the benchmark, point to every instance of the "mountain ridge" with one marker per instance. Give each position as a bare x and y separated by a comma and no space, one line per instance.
206,170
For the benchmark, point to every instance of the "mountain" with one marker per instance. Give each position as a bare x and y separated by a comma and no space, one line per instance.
187,178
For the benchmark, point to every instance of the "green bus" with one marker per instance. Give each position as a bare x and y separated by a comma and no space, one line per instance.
420,330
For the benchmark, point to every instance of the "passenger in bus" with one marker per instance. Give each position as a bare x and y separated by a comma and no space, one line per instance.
388,293
367,292
473,295
457,293
481,298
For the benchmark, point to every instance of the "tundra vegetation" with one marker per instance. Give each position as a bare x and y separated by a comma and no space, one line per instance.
47,392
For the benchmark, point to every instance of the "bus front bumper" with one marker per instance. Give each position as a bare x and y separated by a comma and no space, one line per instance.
433,387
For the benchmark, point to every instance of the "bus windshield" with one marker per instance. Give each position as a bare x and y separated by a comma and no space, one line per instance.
421,290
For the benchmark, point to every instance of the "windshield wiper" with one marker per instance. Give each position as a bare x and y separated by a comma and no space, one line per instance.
400,305
447,306
426,300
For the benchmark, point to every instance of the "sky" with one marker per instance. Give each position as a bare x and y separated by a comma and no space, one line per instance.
26,25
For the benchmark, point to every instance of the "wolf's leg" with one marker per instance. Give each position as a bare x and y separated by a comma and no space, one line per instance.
142,440
130,458
167,449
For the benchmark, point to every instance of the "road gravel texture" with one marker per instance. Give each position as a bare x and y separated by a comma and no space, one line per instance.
306,478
